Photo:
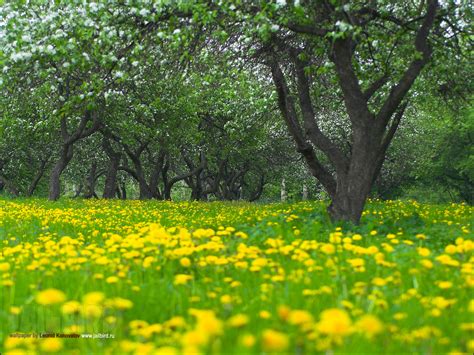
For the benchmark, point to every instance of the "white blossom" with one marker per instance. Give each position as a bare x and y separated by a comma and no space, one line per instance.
20,56
144,12
50,49
93,7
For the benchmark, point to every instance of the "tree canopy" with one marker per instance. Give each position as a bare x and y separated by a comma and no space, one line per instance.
208,100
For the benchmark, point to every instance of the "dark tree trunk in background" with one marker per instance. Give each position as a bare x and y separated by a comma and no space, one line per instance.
124,191
158,165
91,181
9,186
372,132
36,179
138,173
192,177
67,151
78,190
5,183
258,192
55,177
145,191
110,186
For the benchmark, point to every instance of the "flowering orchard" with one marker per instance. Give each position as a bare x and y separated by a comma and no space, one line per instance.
159,277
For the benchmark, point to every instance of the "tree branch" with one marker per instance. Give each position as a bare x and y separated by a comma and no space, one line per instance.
354,99
398,92
317,137
287,109
375,86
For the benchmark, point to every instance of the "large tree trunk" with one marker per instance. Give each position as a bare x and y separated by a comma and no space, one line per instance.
352,191
158,166
144,188
55,177
110,185
349,179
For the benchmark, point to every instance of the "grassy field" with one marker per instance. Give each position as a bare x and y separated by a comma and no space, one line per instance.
164,278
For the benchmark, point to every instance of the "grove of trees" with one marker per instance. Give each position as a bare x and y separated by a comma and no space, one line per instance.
223,100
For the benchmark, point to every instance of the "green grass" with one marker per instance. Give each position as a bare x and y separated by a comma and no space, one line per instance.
411,311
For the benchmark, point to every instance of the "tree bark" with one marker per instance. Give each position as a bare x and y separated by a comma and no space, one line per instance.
305,192
9,186
145,193
55,178
67,151
110,186
258,192
91,181
283,192
350,180
36,179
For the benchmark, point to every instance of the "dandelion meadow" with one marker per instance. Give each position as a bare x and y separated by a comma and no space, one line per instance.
134,277
236,177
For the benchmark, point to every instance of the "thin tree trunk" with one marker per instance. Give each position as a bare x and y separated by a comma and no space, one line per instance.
283,193
305,192
110,185
9,186
258,193
36,179
124,191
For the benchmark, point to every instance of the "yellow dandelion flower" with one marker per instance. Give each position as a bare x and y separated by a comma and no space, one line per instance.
247,340
264,314
423,252
237,321
15,310
369,325
50,296
71,307
182,279
273,341
112,279
51,345
335,322
298,317
185,262
4,267
93,298
444,284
